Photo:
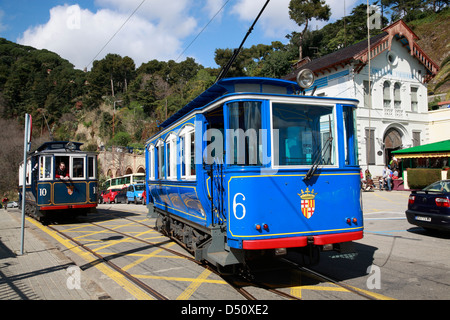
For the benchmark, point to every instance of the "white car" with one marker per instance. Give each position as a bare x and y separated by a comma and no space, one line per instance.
12,204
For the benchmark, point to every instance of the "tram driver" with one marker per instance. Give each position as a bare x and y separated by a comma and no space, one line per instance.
62,172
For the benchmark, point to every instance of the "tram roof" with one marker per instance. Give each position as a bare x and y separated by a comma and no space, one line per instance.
58,145
227,86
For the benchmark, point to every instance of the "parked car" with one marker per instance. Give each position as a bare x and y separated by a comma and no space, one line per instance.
430,207
110,195
12,204
121,197
134,193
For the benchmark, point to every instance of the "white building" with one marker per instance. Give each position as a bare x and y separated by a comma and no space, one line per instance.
395,113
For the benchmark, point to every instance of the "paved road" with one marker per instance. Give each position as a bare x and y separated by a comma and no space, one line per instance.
395,260
406,261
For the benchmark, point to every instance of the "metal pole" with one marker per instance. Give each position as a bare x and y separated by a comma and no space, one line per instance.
24,180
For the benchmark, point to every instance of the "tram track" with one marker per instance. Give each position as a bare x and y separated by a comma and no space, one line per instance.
235,282
324,278
136,281
232,282
304,270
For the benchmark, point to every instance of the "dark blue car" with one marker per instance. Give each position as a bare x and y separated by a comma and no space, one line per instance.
430,208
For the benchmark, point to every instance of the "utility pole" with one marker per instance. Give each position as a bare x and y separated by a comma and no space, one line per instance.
114,114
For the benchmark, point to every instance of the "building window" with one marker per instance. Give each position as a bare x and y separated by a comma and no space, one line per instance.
387,95
397,100
416,139
414,99
370,146
367,94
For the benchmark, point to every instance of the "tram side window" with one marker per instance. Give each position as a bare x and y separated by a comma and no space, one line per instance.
151,162
172,157
192,153
350,139
187,153
91,167
45,167
161,160
245,145
78,167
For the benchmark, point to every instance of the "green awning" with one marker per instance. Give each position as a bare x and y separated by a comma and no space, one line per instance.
431,150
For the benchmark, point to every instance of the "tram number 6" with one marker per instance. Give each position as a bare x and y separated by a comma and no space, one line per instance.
238,204
42,192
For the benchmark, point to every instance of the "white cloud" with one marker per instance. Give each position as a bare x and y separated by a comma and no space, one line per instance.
275,19
78,34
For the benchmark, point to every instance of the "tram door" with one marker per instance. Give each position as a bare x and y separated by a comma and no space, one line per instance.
213,163
45,175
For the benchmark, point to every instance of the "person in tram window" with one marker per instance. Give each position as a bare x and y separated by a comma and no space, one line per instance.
62,172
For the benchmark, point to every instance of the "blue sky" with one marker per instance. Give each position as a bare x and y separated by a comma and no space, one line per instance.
160,29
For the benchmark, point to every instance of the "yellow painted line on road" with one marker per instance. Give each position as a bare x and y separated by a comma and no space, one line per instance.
389,200
147,256
297,291
372,294
194,285
180,279
134,290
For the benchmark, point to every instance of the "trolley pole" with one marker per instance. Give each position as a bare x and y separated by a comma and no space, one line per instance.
26,148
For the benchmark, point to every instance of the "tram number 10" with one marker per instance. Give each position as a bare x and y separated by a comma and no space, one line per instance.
42,192
239,214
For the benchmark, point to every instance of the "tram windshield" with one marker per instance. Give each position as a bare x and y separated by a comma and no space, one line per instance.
300,134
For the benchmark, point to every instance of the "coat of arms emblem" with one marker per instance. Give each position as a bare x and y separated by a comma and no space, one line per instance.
308,204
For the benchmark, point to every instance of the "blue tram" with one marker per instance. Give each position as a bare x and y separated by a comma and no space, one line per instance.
59,178
253,166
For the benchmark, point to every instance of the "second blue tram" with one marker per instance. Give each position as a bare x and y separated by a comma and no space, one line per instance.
252,167
72,190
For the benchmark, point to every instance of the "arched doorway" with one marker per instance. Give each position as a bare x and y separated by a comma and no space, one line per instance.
392,142
141,170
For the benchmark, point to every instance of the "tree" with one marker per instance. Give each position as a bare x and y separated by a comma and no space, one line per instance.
303,11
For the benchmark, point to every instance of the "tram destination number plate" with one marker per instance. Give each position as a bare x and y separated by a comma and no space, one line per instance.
426,219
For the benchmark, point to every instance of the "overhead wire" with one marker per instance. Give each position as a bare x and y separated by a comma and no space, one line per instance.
115,33
201,31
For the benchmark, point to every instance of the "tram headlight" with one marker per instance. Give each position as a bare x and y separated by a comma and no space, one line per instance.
305,78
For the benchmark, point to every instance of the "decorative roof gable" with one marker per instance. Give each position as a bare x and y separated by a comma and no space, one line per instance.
358,53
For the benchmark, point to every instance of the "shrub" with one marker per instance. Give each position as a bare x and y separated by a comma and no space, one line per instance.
420,178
